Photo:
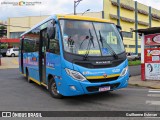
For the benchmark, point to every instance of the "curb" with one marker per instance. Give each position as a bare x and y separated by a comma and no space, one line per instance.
136,81
152,87
2,68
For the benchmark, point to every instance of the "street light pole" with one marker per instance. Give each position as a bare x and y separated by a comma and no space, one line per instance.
75,5
85,12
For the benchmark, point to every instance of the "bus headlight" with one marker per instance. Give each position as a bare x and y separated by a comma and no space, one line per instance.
75,75
124,71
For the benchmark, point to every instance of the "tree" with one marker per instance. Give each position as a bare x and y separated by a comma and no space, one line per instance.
3,31
2,27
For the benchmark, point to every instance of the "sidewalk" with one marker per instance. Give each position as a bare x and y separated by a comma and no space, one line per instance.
136,81
9,62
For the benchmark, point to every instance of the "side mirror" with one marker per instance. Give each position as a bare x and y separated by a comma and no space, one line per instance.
53,22
119,28
51,29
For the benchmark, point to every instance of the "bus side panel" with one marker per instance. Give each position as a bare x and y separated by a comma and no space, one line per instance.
34,73
31,63
53,65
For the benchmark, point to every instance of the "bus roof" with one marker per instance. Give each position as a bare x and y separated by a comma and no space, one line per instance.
78,17
71,17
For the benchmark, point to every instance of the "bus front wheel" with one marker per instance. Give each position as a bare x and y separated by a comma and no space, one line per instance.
53,89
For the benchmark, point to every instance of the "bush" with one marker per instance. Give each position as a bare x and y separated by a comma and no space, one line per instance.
134,63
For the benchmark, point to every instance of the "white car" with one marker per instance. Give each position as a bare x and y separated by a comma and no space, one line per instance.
132,56
12,52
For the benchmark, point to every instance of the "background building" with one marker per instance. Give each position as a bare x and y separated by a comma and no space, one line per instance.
1,21
18,25
127,13
131,15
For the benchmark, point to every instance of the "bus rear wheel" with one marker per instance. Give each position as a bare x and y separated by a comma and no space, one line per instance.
53,89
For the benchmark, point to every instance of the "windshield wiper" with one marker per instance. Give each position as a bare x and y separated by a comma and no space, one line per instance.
108,46
89,45
83,41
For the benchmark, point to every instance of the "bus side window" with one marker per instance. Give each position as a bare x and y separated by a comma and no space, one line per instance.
53,42
54,46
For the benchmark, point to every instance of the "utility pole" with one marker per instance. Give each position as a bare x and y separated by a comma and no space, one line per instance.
118,12
150,17
136,27
76,3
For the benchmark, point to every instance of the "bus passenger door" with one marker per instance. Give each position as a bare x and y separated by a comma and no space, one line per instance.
21,56
42,55
53,59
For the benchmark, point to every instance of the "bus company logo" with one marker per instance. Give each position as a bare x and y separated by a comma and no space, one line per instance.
105,75
93,73
103,62
116,70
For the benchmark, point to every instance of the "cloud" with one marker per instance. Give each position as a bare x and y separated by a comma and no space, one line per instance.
152,3
47,7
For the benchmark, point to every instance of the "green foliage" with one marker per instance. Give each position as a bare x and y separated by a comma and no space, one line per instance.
134,63
2,27
4,45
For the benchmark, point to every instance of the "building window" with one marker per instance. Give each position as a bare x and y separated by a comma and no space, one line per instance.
132,46
127,34
125,46
15,34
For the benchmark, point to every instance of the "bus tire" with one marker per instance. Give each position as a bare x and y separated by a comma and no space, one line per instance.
27,76
52,87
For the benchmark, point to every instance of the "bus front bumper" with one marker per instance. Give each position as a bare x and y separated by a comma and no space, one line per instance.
75,87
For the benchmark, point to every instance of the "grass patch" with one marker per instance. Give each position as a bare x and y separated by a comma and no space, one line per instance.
134,63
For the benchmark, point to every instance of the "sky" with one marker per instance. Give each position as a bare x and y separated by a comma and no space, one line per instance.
49,7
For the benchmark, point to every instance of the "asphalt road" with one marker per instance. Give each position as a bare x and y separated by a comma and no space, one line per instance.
16,94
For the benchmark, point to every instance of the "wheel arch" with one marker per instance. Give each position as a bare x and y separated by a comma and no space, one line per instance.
26,70
50,76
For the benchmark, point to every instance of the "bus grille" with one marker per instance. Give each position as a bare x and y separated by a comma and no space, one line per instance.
96,88
91,66
103,80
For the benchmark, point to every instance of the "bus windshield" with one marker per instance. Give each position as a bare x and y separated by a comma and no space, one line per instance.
91,38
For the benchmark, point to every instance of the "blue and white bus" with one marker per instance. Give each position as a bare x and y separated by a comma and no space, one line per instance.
74,55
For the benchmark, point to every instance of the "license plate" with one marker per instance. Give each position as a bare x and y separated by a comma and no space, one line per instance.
106,88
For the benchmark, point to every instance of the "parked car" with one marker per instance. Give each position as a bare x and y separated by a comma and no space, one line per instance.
133,56
12,52
3,52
